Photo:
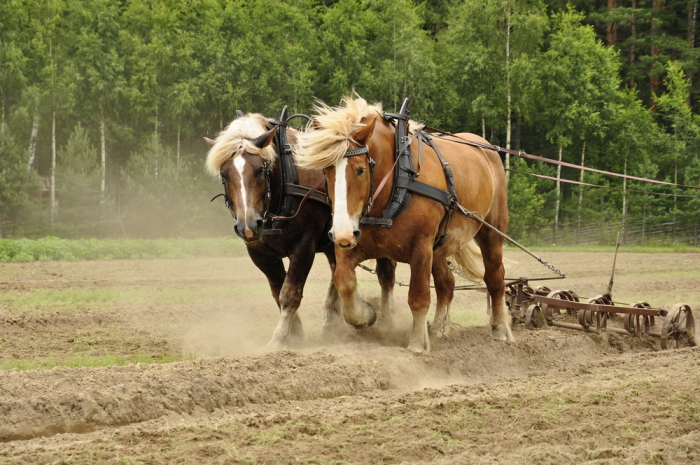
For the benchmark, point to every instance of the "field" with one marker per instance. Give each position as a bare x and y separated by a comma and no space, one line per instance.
165,361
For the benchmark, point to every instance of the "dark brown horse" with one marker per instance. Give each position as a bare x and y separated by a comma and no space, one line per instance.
245,159
338,136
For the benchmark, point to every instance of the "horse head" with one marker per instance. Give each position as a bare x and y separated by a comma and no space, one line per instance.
341,143
242,157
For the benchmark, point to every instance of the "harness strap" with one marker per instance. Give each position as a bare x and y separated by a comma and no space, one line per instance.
303,201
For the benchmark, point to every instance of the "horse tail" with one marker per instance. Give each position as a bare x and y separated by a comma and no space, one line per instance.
469,262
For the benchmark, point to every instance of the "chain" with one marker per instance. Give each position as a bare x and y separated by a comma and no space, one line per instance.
457,272
472,215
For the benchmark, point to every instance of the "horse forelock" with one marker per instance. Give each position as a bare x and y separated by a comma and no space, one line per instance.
327,139
235,140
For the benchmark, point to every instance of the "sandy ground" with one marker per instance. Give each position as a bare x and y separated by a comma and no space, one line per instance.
553,396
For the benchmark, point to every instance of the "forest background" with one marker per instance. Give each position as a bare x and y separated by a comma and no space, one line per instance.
105,102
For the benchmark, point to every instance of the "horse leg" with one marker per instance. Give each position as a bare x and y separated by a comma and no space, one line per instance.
287,290
386,274
356,312
332,317
491,245
419,300
445,289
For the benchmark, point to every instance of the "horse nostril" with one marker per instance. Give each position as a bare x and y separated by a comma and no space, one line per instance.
356,234
331,236
259,225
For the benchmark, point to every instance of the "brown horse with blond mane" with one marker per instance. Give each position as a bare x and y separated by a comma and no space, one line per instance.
336,137
247,161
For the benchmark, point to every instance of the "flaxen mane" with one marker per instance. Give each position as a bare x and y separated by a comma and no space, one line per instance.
326,142
234,140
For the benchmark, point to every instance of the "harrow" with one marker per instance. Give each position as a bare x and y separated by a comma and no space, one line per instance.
540,307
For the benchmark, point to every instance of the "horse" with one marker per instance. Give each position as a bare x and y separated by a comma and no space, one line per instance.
354,144
247,162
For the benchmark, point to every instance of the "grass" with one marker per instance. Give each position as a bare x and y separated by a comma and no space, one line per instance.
84,298
54,248
92,361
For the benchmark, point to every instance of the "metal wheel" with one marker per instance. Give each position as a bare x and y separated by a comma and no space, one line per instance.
561,295
588,318
534,318
679,328
638,325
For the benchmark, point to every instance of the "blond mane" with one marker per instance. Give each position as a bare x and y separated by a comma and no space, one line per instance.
325,141
234,140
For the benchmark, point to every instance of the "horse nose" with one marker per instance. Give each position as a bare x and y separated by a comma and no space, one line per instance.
238,231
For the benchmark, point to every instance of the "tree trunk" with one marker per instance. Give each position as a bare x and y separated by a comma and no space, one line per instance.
692,16
624,202
155,124
634,38
508,96
655,51
580,192
179,125
2,123
103,151
675,200
611,36
32,140
556,207
483,126
53,165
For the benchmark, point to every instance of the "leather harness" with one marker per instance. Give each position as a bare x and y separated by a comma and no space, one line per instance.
405,176
290,189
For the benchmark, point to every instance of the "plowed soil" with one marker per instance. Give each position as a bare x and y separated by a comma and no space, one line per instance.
93,331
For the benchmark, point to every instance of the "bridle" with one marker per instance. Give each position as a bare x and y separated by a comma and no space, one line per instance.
267,196
364,150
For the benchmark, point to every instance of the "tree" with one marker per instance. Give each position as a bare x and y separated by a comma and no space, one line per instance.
95,28
493,74
578,82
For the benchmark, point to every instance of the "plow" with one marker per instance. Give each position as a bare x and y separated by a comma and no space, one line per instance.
541,307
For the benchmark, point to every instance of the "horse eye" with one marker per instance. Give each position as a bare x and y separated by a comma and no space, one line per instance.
361,171
258,172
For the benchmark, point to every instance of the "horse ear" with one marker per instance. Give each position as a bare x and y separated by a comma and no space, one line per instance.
315,124
209,142
264,140
239,114
362,135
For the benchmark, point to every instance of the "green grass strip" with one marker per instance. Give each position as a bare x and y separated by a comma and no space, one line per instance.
54,248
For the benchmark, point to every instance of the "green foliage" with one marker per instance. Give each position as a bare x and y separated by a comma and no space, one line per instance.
144,80
525,203
53,248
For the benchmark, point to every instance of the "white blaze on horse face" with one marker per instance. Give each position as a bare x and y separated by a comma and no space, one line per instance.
239,163
343,225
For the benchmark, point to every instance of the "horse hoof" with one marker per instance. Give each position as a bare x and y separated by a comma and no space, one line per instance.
417,348
502,333
276,345
372,318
